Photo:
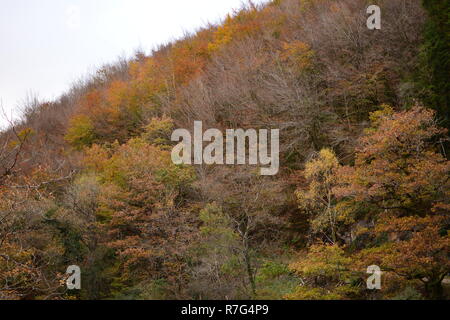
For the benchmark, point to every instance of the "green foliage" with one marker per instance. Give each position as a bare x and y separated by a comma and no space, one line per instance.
216,224
220,238
435,77
272,269
81,132
275,280
72,241
409,293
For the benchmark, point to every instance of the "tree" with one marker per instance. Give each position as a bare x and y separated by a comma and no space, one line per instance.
436,59
217,269
158,132
401,183
317,198
33,251
12,145
419,252
81,132
141,211
249,203
326,274
398,167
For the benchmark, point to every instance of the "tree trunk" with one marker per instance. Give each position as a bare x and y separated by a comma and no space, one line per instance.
248,265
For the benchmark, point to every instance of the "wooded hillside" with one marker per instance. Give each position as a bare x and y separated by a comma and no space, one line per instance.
363,114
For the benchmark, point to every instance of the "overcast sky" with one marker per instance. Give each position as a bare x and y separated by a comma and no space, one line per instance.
45,45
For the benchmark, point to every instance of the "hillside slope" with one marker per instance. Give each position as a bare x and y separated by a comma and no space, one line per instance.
88,180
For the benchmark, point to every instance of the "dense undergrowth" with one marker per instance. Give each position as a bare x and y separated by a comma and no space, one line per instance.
87,180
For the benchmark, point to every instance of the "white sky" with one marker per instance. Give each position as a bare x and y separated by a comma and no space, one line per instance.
45,45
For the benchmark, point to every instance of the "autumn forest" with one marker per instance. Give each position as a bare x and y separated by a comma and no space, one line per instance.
88,179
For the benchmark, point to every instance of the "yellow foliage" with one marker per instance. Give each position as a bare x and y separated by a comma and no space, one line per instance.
299,54
377,116
310,293
158,131
23,135
223,35
81,132
317,198
245,23
322,260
